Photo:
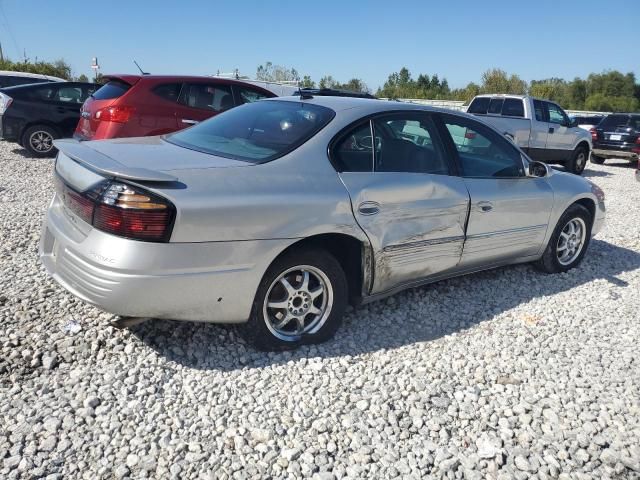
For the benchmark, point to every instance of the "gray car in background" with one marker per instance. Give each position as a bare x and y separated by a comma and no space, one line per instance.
277,214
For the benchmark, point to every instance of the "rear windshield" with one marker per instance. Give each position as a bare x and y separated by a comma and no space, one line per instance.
612,121
255,132
111,89
479,105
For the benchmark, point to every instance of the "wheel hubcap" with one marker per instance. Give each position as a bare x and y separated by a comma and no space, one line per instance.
581,160
298,302
571,241
41,141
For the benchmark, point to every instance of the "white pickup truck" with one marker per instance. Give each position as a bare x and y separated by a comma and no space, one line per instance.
539,127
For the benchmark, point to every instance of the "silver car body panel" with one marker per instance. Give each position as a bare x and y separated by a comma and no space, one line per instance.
234,218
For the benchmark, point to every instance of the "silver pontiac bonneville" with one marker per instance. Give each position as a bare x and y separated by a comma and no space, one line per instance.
278,213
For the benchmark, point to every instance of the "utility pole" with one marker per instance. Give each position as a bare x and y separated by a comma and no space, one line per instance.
1,54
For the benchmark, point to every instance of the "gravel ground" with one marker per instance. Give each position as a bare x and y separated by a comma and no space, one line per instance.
505,374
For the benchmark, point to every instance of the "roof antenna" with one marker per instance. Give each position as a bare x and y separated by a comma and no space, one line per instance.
304,95
141,71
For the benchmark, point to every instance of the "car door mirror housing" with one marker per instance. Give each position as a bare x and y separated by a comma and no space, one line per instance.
538,169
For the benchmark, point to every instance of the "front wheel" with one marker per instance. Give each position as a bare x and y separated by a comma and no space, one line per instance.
578,160
300,300
569,241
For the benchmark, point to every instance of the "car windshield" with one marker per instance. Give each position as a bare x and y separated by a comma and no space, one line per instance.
255,132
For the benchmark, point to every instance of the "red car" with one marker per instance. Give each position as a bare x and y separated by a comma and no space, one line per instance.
142,105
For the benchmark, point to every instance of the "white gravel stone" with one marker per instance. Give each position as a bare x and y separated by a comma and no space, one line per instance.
503,374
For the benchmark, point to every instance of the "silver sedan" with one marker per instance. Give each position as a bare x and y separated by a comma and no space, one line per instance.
277,214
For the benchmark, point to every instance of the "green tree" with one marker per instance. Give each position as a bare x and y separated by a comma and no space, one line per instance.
307,82
57,68
82,78
497,81
276,73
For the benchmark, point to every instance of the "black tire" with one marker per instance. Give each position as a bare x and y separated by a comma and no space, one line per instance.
578,160
596,159
549,262
37,140
264,335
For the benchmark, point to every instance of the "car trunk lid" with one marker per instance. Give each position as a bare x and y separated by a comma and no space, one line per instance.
115,88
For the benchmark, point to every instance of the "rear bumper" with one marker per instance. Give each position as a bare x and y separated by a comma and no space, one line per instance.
615,153
211,282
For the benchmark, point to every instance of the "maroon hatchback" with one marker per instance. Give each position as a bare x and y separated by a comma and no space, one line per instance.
142,105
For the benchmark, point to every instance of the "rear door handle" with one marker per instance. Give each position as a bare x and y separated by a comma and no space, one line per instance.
369,208
485,206
189,121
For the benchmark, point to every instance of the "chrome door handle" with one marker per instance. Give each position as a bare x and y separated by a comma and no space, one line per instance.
485,206
189,122
368,208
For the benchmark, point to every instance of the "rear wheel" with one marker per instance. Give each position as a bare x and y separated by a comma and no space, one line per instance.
300,300
38,140
569,241
596,159
578,160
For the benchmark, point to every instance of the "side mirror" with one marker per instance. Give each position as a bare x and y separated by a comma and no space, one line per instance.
538,169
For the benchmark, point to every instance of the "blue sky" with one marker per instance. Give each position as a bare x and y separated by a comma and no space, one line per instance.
349,38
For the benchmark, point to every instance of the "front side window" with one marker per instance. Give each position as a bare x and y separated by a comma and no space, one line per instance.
207,97
248,95
408,142
556,114
482,152
255,132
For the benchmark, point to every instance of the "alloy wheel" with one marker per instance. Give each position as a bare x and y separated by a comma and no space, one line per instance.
298,302
41,141
571,241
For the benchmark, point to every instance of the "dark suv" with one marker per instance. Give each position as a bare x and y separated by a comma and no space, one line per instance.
143,105
616,136
36,114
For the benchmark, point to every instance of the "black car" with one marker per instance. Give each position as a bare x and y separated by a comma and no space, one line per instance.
36,114
331,92
616,136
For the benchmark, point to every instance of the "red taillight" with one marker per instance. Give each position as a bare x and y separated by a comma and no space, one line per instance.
594,134
121,209
117,114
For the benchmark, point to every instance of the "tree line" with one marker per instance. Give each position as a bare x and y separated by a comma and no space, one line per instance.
610,91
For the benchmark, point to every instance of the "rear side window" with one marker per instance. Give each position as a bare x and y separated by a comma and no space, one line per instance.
354,152
207,97
255,132
513,107
168,91
111,89
479,105
69,95
248,95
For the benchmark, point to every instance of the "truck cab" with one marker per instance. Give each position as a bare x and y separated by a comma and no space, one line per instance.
541,128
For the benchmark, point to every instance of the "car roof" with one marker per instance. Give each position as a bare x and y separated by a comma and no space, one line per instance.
338,104
11,73
133,78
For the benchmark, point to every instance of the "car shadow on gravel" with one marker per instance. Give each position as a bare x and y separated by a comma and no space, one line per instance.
418,315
